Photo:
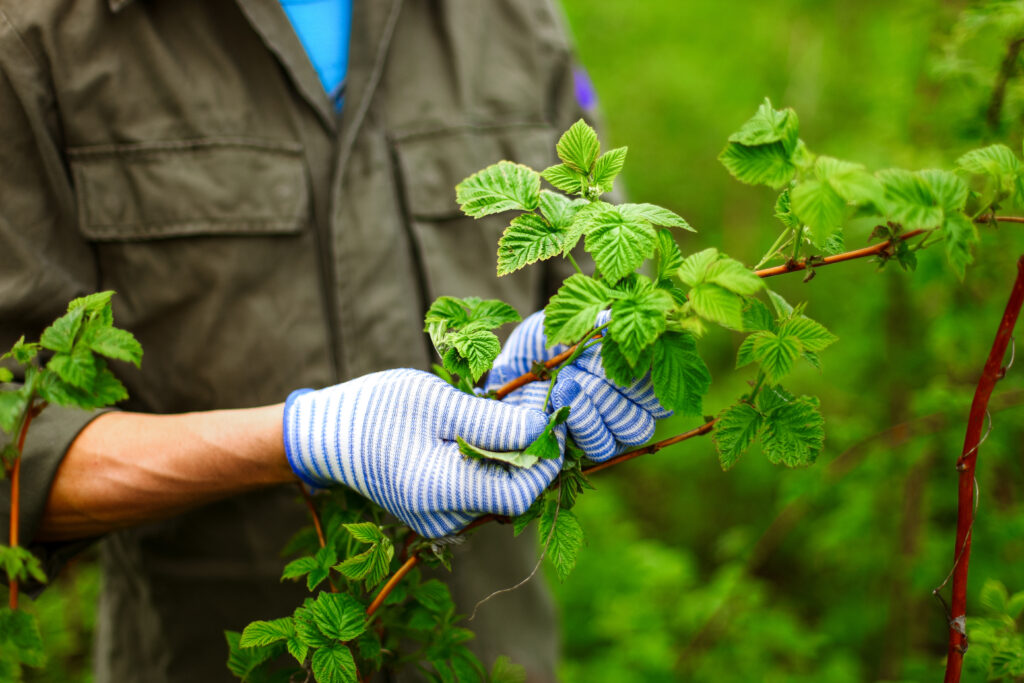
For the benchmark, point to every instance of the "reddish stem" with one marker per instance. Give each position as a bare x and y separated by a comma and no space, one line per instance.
992,373
316,525
390,585
15,475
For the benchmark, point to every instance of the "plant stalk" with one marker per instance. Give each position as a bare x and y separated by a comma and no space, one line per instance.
15,474
965,466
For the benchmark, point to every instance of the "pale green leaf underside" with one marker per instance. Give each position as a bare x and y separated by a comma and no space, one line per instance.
500,187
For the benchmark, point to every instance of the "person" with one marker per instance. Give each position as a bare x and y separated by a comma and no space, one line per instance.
188,156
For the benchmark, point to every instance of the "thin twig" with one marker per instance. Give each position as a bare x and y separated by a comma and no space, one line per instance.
316,524
30,412
965,467
392,582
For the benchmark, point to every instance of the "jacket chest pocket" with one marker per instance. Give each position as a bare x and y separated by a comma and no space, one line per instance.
458,254
209,246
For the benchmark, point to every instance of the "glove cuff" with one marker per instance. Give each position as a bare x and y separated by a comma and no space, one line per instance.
293,439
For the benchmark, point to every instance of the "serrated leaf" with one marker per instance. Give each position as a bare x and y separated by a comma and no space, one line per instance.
338,616
775,354
117,344
794,431
949,190
305,626
298,568
695,266
244,661
60,335
850,181
435,596
819,206
546,445
745,354
638,319
735,429
22,352
608,167
994,596
365,532
994,160
520,523
573,310
655,215
757,317
961,235
578,147
619,243
12,405
529,238
812,335
769,125
371,565
514,458
680,376
559,209
618,368
782,307
500,187
477,345
334,664
77,368
784,211
717,304
669,256
734,276
762,165
566,540
910,199
266,632
91,303
565,178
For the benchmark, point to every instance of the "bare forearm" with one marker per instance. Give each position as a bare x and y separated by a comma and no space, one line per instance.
129,468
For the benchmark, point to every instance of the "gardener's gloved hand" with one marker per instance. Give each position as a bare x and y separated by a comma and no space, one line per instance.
391,436
604,418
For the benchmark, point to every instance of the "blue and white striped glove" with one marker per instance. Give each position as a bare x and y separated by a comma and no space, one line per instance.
391,436
604,418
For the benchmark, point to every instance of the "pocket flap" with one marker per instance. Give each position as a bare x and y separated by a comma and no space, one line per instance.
174,189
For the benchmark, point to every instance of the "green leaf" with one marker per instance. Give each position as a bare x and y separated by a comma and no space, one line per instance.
608,167
20,564
949,190
515,458
794,431
578,147
920,200
812,335
735,429
769,125
757,317
477,345
784,211
619,243
745,354
77,368
504,671
655,215
12,406
60,335
334,664
528,239
995,161
365,532
559,209
994,596
266,632
781,306
19,636
546,445
1015,605
819,206
775,354
850,181
733,276
435,596
21,352
961,235
371,565
117,344
92,303
769,165
618,368
305,626
680,376
572,311
299,567
565,178
638,319
669,256
450,313
520,523
500,187
339,616
244,661
695,266
6,375
566,540
717,304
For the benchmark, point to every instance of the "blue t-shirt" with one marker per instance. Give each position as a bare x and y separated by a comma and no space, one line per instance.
323,27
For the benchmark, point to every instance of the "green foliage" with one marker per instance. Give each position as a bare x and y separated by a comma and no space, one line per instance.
372,564
996,644
562,535
498,188
460,330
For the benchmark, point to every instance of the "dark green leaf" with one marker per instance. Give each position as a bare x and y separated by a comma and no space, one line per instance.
504,671
566,540
116,343
243,662
558,209
546,446
12,406
522,521
680,376
735,430
339,616
267,632
775,354
528,239
769,125
435,596
638,319
794,432
572,312
961,235
619,243
334,664
60,336
618,368
669,256
477,345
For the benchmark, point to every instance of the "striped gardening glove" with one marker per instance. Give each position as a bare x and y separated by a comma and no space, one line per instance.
604,418
391,436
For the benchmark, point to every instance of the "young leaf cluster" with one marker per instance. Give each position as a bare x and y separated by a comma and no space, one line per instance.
461,331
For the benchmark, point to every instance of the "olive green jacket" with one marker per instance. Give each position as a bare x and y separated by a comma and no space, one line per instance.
184,154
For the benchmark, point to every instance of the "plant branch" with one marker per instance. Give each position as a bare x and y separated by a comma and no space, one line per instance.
965,465
1006,68
392,582
30,413
316,524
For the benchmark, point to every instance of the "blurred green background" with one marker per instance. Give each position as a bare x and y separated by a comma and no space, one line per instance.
761,573
823,574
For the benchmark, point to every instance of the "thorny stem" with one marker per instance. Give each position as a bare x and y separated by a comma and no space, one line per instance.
965,465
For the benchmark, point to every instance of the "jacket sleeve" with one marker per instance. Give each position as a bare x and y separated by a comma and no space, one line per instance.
44,263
